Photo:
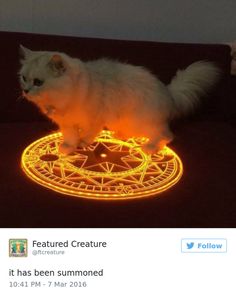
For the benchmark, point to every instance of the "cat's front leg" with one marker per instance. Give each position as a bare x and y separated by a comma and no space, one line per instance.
88,136
70,140
66,148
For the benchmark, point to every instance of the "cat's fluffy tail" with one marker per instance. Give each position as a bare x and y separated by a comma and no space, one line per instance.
190,84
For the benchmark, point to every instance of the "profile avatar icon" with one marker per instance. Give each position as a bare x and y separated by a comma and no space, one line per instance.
17,247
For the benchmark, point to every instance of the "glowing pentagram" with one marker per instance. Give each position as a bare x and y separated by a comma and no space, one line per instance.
107,169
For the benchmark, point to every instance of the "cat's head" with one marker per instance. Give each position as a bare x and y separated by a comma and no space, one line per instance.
40,73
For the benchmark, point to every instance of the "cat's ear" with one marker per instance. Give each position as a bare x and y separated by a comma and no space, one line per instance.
57,64
24,52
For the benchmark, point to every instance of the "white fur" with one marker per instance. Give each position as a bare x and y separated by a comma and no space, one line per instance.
84,97
190,84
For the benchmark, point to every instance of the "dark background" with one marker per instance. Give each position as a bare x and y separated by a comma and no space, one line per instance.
205,141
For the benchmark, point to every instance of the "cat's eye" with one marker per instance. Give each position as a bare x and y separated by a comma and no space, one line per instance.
38,82
24,78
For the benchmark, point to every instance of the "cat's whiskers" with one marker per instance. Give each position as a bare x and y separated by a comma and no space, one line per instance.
20,98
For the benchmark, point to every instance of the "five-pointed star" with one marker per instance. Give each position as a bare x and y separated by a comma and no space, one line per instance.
103,157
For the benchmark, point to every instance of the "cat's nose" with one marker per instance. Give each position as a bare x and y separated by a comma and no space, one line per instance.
26,91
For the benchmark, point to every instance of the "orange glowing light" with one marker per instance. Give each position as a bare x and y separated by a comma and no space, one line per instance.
108,169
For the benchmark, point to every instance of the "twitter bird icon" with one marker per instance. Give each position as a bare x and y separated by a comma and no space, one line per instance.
190,245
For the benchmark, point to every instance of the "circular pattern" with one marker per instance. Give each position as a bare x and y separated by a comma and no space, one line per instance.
108,169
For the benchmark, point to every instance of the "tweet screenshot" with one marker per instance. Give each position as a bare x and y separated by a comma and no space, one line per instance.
117,146
128,260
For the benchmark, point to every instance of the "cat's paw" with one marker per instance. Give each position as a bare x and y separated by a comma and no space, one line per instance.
84,144
66,148
151,148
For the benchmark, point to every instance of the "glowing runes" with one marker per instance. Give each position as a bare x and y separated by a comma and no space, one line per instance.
108,169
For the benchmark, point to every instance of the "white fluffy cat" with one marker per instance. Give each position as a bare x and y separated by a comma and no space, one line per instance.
85,97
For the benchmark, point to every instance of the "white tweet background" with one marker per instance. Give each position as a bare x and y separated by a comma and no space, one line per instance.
135,260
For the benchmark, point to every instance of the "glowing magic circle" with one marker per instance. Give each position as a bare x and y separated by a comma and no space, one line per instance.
108,169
